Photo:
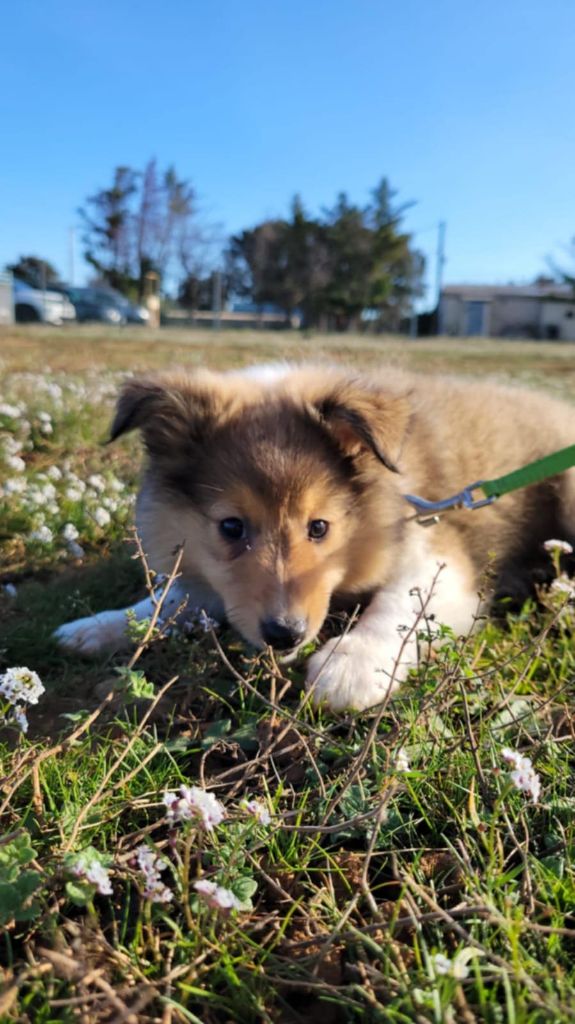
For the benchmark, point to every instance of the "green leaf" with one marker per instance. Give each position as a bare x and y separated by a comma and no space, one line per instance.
244,888
216,731
80,893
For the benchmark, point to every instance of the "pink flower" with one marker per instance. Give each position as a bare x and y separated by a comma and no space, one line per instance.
523,776
194,804
258,810
216,896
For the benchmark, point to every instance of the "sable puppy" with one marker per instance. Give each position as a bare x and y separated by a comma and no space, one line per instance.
285,486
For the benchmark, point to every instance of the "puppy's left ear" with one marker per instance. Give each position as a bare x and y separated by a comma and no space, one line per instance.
362,418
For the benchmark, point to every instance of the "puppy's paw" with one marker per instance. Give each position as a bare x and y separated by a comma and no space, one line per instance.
353,672
96,634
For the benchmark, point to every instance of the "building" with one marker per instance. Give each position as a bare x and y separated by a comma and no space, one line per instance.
6,299
543,310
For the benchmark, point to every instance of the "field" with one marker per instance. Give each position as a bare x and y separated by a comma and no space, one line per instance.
386,867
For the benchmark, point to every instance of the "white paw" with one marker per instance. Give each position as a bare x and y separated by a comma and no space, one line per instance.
95,634
354,672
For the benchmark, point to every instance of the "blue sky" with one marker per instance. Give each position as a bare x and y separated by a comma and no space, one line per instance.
466,108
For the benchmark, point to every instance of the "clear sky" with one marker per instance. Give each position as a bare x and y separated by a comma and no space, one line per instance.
467,108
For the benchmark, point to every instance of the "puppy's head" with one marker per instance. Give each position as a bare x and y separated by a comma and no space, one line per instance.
281,493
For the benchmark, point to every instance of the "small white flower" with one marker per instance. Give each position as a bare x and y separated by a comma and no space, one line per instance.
561,546
258,810
70,532
11,411
194,804
523,776
401,761
21,685
563,586
46,428
441,964
43,535
96,482
216,896
93,871
15,463
101,516
14,486
9,589
75,550
73,494
150,865
45,417
54,473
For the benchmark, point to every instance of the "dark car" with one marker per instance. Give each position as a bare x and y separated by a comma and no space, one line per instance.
104,305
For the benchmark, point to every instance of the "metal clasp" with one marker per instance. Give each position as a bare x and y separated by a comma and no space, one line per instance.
429,512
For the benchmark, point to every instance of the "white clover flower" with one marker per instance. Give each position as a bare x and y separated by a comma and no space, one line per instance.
11,411
258,810
15,463
21,685
45,417
43,535
88,867
73,494
54,473
12,445
101,516
216,896
96,482
70,532
194,804
46,428
15,486
523,776
562,547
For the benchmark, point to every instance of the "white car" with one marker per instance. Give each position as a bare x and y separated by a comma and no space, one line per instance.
31,305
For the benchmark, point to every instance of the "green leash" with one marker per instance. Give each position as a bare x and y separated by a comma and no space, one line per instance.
429,512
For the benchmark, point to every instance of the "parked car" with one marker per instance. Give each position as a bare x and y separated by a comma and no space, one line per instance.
104,305
32,305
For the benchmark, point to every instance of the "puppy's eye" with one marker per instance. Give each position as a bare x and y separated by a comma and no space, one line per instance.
317,529
232,528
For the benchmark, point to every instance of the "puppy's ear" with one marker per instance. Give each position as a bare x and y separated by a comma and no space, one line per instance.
362,418
170,411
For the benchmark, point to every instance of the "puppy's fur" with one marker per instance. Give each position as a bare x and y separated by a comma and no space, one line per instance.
280,448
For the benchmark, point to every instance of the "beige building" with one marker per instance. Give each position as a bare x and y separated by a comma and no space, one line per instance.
545,311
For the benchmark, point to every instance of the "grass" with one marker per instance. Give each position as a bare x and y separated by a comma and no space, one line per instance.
393,838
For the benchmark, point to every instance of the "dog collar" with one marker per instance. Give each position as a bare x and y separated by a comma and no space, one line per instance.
429,512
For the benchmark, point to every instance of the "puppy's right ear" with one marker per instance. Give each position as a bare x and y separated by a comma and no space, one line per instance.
137,401
173,411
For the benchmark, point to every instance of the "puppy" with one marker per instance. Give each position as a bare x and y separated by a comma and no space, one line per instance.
285,485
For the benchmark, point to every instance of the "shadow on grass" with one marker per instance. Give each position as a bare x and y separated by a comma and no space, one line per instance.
46,601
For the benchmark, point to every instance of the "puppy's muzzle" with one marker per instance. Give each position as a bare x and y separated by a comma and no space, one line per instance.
283,633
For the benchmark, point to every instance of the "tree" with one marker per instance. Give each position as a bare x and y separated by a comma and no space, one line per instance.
332,269
143,222
36,272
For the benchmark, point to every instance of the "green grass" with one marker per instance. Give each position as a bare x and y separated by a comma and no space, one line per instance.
366,871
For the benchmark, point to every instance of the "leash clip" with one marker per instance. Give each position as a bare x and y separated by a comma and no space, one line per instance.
429,512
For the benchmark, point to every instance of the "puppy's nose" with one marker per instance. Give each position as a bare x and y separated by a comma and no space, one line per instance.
283,633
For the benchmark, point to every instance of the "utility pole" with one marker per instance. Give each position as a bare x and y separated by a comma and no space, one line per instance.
440,261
